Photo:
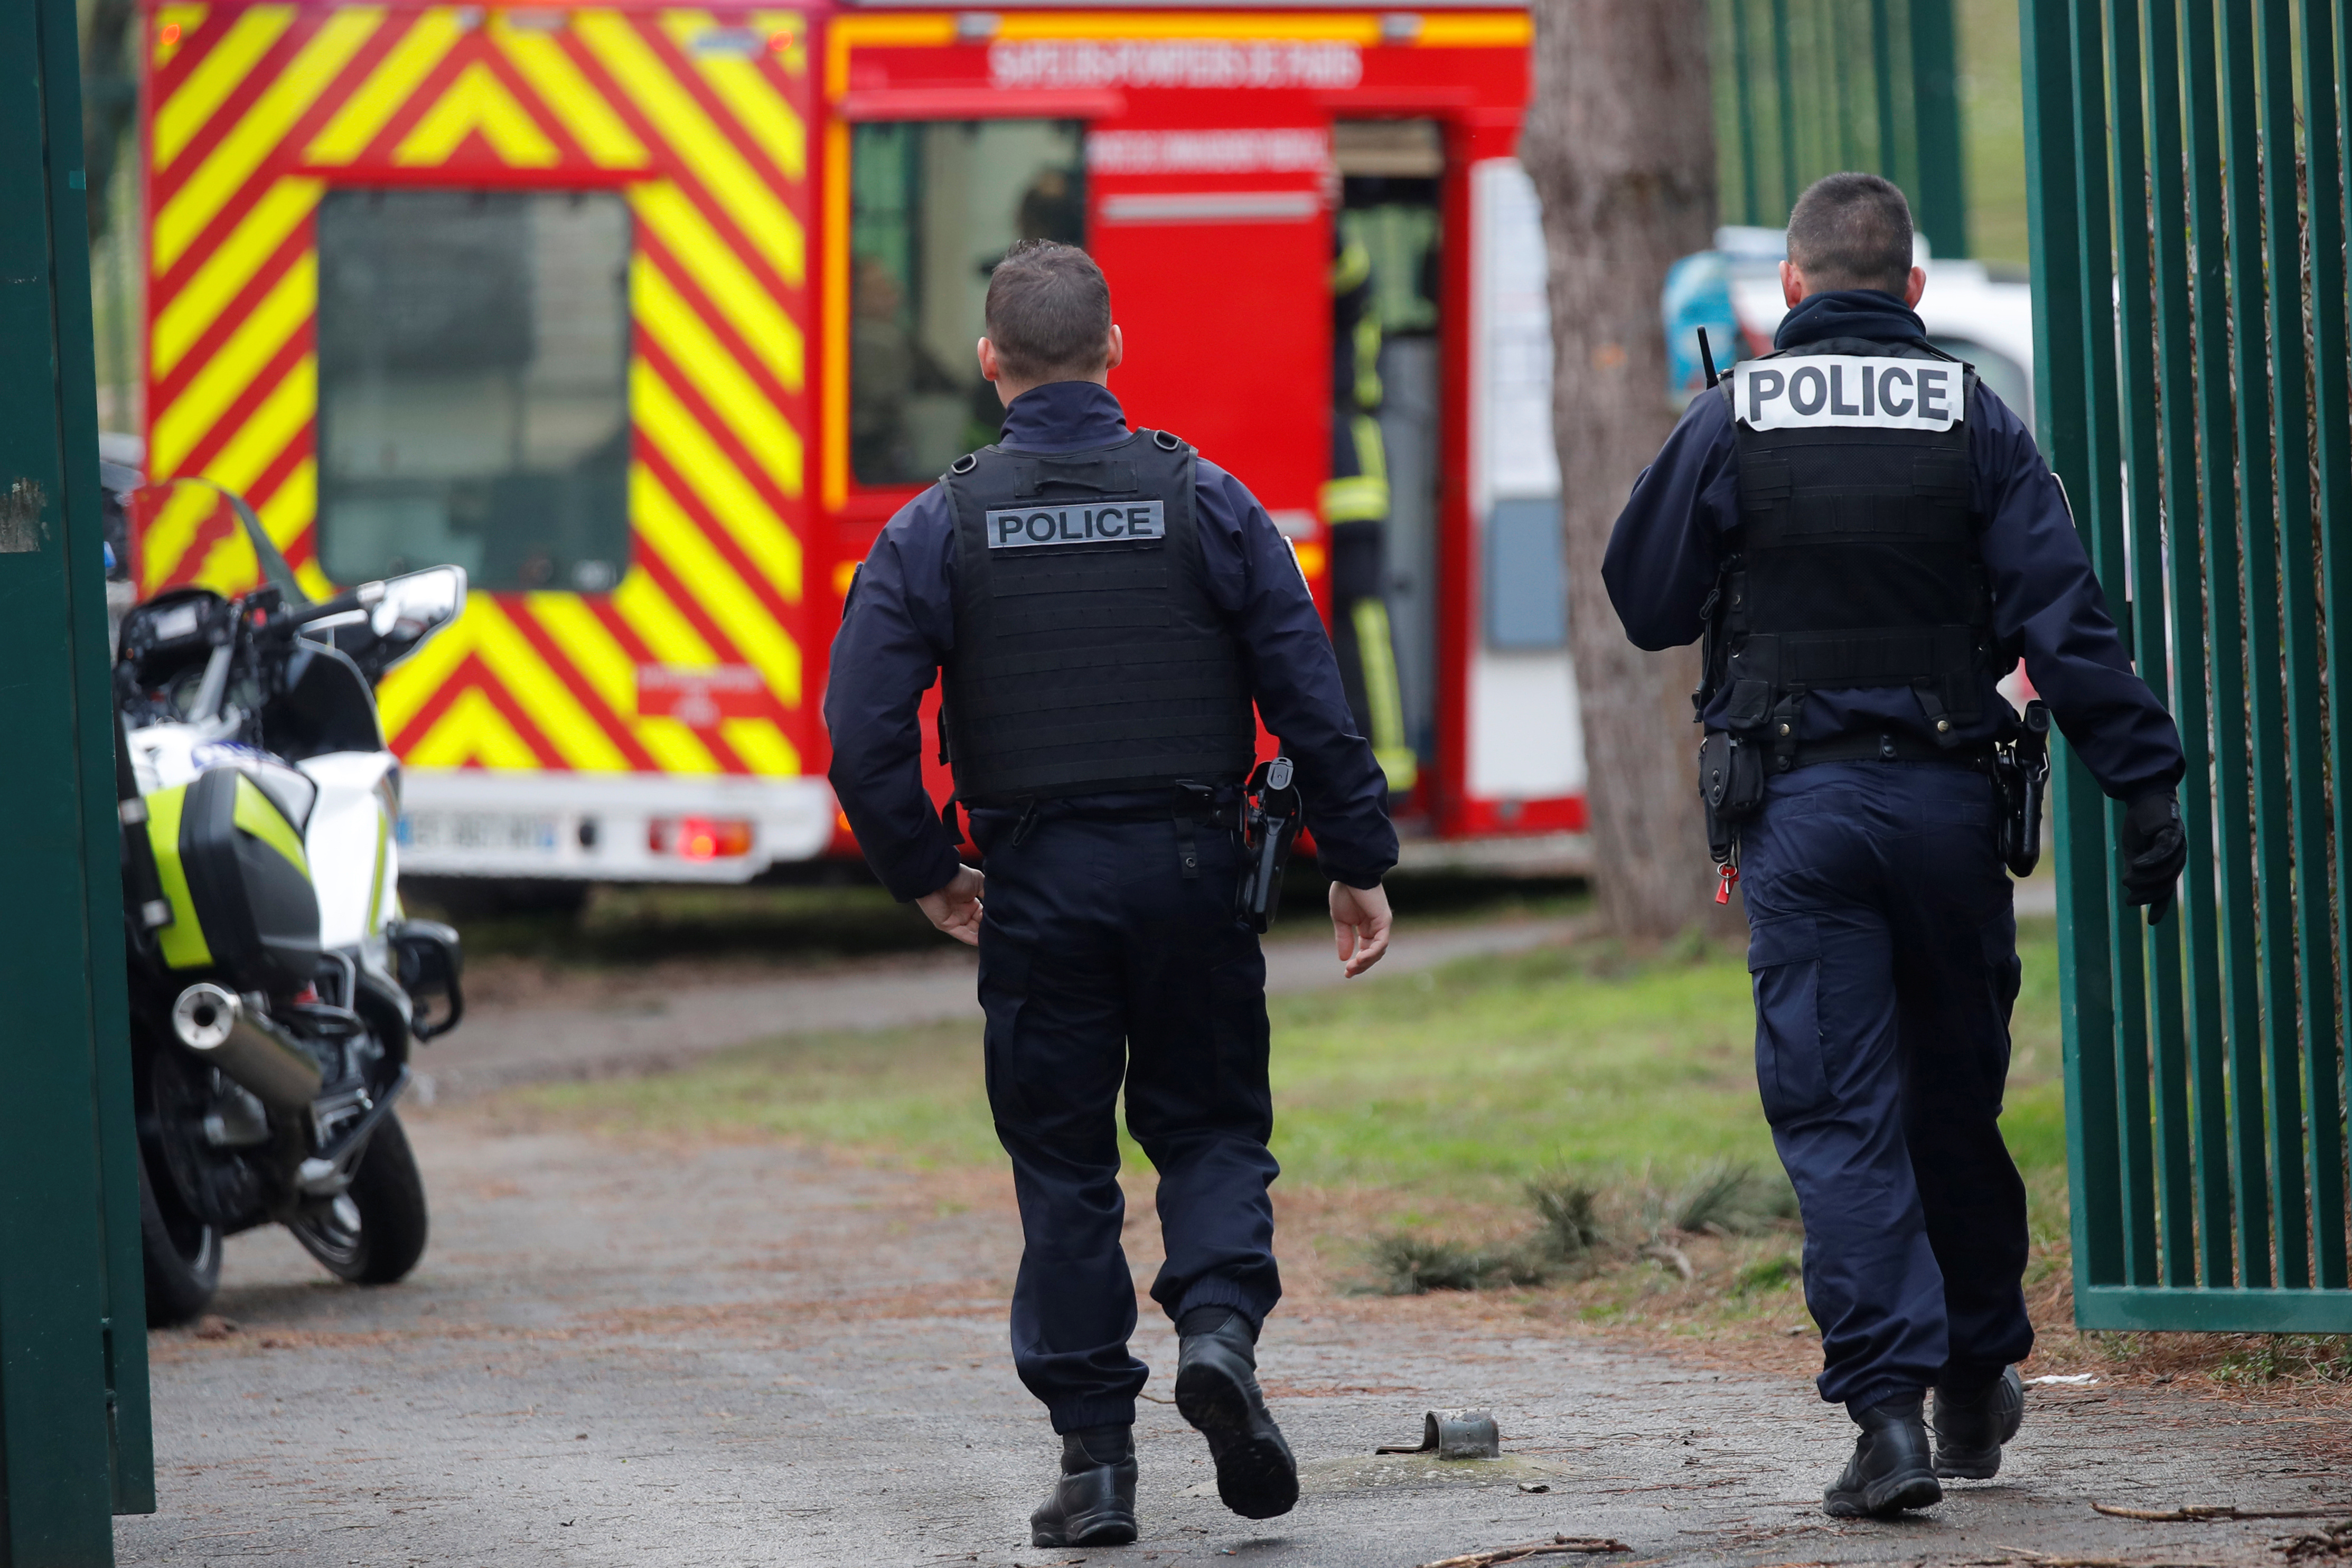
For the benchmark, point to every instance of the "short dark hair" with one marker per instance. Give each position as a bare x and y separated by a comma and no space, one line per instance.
1852,231
1048,312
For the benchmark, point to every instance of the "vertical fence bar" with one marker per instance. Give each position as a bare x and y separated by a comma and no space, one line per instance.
1751,197
2153,1078
2306,765
1839,59
1786,105
2061,385
2331,347
2258,499
1881,83
2207,1156
1942,195
2232,808
2100,512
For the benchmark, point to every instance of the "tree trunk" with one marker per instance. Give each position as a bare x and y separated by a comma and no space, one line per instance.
1619,142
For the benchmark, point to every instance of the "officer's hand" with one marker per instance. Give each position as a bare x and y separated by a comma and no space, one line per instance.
1360,926
2155,849
955,908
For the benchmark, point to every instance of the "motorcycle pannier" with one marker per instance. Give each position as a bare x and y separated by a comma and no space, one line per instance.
232,868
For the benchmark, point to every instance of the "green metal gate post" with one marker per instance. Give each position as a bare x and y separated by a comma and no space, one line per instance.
2186,193
74,1443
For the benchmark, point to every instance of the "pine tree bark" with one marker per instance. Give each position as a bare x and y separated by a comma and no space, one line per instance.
1620,141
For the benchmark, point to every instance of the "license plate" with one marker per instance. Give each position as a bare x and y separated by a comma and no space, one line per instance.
507,831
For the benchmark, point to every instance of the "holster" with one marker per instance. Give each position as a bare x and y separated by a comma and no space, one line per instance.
1731,788
2020,768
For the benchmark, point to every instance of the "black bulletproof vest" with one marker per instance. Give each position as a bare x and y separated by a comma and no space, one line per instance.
1855,562
1088,654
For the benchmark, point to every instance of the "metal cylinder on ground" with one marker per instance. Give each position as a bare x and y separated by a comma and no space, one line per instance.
211,1021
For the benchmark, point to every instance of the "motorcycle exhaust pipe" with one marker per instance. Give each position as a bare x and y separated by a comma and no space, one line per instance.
250,1048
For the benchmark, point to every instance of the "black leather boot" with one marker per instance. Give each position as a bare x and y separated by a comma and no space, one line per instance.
1217,1391
1094,1502
1971,1428
1890,1471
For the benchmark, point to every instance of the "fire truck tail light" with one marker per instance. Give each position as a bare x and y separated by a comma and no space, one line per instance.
699,838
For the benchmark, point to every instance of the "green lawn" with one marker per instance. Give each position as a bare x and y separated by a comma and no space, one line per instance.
1461,1083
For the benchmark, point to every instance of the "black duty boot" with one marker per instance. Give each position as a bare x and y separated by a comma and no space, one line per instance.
1217,1391
1890,1471
1094,1502
1971,1428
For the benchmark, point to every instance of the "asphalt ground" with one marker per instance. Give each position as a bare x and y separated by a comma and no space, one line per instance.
631,1353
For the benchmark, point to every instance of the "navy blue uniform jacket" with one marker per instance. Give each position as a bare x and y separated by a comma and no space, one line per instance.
899,624
1662,559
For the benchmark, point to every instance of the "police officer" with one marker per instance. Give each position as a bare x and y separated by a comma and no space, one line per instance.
1868,540
1106,606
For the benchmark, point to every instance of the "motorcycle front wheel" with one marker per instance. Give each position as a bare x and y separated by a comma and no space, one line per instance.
375,1233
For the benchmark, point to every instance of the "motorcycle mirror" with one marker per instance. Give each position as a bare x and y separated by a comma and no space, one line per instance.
416,604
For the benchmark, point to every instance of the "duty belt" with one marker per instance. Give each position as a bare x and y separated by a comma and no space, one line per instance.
1891,745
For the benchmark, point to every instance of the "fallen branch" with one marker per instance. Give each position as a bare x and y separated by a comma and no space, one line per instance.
1557,1546
2199,1513
2045,1560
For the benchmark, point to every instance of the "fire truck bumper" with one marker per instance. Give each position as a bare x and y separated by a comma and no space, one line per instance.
625,828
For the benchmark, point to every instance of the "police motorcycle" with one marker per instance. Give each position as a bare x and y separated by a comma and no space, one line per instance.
276,986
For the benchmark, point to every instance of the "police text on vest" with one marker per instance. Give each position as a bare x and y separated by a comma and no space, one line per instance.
1119,523
1808,389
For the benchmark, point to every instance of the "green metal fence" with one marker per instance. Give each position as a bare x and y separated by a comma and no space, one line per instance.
2186,193
1806,88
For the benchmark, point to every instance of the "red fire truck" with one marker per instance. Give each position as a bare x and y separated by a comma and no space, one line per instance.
649,318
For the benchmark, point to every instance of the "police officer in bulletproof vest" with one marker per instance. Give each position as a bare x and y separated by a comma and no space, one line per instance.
1867,539
1106,606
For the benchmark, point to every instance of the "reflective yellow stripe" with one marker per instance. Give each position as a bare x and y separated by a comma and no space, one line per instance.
1357,499
228,372
1367,360
368,111
749,307
1350,267
260,133
665,529
739,84
1378,656
259,815
252,243
472,730
561,87
222,70
715,373
736,187
478,100
183,941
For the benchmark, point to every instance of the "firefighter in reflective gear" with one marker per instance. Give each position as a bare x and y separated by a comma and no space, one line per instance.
1868,540
1356,509
1106,606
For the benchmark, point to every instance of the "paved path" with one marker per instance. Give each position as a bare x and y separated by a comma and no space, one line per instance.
748,1357
634,1032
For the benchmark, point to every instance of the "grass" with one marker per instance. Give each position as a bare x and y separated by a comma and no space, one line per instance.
1580,1064
1574,1130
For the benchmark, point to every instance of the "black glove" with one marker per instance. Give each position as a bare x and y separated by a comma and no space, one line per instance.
2155,849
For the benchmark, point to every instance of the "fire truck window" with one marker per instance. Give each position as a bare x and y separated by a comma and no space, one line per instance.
934,205
473,386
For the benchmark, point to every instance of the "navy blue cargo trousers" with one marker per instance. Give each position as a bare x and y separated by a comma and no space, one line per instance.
1102,964
1884,956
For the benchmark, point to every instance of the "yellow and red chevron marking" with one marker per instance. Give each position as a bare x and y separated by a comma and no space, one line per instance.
259,110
